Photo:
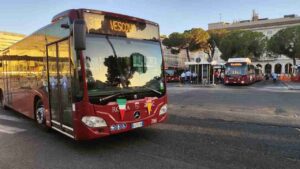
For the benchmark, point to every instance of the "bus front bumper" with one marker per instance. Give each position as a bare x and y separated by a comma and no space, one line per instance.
86,133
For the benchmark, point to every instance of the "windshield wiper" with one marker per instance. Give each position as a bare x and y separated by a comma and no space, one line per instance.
154,90
124,93
140,89
110,96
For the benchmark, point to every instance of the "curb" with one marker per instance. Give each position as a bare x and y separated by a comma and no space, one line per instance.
195,86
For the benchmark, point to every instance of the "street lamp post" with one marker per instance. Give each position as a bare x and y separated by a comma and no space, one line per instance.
291,49
291,46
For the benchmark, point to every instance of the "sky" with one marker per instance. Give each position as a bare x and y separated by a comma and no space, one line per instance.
26,16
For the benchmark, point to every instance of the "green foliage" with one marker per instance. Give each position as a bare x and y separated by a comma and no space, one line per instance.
194,40
243,43
197,39
215,37
286,42
175,40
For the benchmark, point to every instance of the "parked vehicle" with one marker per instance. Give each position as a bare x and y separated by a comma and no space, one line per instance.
258,74
173,74
239,71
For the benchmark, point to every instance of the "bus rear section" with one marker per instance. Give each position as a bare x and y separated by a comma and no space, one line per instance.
239,71
258,74
173,74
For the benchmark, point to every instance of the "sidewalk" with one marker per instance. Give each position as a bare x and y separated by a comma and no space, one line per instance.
199,85
292,85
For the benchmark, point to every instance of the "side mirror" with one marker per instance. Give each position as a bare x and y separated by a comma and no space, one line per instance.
79,34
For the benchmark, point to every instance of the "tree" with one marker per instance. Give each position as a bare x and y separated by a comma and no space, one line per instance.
191,40
176,41
215,37
243,43
196,39
286,42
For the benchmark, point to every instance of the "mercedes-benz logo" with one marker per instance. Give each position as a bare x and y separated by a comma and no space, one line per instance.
137,115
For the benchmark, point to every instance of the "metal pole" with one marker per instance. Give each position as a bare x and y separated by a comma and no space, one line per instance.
202,74
209,67
208,73
194,73
197,68
213,77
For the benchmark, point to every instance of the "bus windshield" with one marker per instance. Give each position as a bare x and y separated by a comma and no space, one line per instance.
236,70
170,72
116,64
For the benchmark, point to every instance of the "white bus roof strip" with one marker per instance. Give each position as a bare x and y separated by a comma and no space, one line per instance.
246,60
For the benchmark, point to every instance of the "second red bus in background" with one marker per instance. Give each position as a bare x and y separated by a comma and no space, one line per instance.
239,71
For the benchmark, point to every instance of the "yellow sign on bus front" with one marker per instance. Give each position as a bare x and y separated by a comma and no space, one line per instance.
120,26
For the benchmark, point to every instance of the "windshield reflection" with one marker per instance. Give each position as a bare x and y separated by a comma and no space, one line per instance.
119,64
236,70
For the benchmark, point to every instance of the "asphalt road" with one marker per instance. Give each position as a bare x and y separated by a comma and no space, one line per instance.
207,128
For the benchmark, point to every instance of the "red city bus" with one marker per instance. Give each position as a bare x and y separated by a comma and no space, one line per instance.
88,74
296,78
173,74
239,71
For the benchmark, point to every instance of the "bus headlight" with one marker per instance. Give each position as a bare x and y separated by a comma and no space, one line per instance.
163,109
93,121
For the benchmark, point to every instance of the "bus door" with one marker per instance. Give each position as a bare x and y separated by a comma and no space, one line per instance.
60,96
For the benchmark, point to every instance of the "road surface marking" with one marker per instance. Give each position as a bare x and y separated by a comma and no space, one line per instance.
222,132
9,118
10,130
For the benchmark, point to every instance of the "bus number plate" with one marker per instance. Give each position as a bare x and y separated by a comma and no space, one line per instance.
137,125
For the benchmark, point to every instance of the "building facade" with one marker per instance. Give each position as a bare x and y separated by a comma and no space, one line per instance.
269,63
174,60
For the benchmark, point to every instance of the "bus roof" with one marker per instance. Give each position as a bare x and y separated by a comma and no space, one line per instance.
74,13
243,60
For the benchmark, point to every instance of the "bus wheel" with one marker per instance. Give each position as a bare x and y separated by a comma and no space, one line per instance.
40,113
2,105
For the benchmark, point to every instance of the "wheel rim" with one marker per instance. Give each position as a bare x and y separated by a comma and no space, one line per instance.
40,114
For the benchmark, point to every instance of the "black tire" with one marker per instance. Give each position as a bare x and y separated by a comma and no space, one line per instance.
39,113
2,105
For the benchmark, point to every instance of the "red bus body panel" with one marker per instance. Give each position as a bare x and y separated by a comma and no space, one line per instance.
173,78
82,132
239,79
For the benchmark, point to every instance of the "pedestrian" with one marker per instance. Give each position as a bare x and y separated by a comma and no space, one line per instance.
266,76
217,76
222,76
189,76
194,77
274,77
183,77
